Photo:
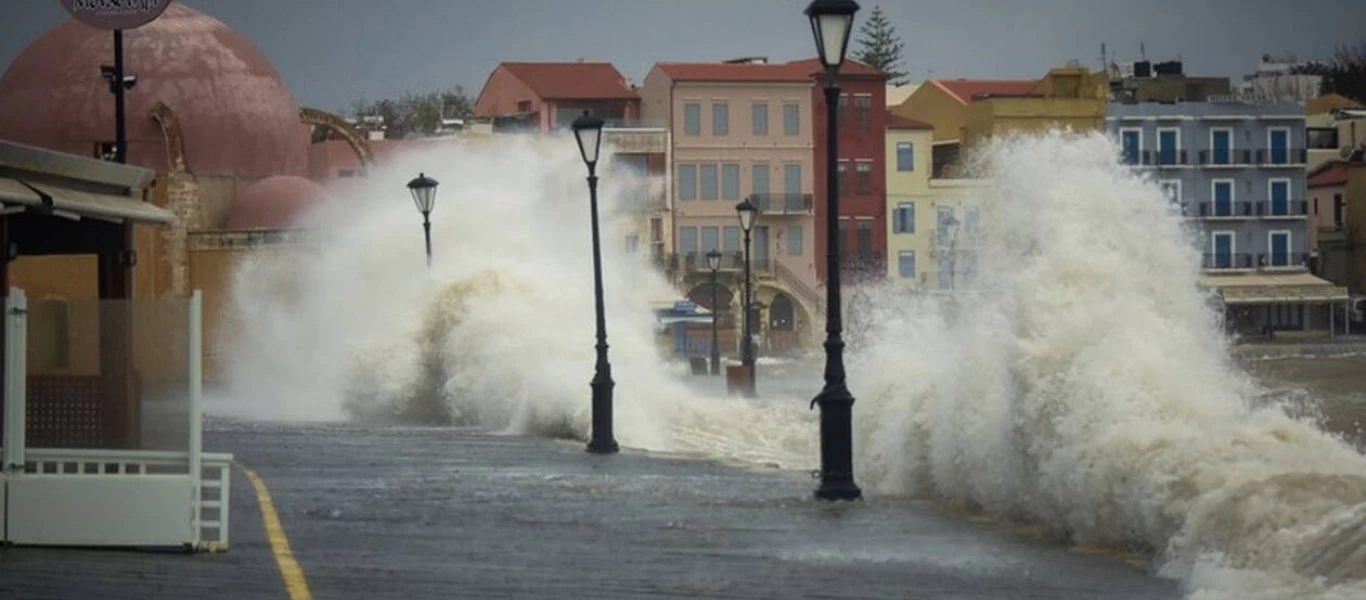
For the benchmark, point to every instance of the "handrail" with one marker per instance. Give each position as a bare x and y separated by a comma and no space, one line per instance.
803,289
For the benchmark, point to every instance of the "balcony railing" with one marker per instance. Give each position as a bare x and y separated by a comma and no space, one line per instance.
1165,158
1282,156
783,204
1227,261
1284,208
1225,209
1230,157
696,262
1282,260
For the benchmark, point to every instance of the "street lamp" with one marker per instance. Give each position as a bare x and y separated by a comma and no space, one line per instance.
831,22
714,262
423,189
588,131
747,211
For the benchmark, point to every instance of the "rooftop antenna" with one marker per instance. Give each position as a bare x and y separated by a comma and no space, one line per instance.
1104,64
1142,51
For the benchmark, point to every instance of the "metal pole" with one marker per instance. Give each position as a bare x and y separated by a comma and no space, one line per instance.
196,443
120,127
602,440
746,343
427,232
715,347
835,400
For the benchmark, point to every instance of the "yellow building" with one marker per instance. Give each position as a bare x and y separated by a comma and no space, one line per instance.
933,225
964,112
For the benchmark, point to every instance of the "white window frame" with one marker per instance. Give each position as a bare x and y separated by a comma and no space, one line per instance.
1231,153
1288,199
1213,197
1176,150
1232,245
1139,131
914,267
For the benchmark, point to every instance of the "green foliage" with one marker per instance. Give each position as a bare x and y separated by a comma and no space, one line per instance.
880,46
1346,72
416,112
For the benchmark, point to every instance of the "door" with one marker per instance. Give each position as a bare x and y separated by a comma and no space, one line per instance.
1223,198
1280,198
1166,145
1130,140
1223,249
1280,248
1279,140
761,248
1220,143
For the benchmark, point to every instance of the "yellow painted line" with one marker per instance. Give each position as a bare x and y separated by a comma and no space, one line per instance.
290,571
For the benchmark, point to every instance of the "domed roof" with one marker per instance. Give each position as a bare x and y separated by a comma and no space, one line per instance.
237,116
274,203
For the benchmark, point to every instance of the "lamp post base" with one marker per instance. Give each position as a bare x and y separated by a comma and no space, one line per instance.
837,444
603,447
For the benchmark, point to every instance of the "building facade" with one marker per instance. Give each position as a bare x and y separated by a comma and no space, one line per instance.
1236,170
861,167
740,130
1327,218
909,200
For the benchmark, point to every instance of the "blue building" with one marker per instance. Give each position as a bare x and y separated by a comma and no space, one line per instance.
1236,169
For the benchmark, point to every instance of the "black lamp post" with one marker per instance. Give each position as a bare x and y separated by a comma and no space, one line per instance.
588,131
119,83
714,261
423,189
747,211
831,22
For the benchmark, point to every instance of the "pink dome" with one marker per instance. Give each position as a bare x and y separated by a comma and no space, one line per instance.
237,116
274,203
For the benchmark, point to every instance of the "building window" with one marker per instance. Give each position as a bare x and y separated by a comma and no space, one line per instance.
905,156
792,119
792,179
52,341
1279,242
841,175
760,118
971,222
843,111
945,226
105,151
1169,146
1131,141
905,263
656,230
903,218
730,240
863,112
720,118
945,271
864,230
794,240
687,182
692,119
687,242
711,239
843,250
760,183
969,268
708,182
864,172
730,182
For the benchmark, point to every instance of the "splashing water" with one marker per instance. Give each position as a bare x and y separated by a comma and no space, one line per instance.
1084,385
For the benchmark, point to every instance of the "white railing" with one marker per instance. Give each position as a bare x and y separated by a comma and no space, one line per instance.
209,509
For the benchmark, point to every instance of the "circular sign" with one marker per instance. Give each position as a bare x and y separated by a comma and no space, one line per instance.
115,14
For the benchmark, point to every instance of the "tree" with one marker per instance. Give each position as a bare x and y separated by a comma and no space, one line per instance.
416,113
1346,72
880,46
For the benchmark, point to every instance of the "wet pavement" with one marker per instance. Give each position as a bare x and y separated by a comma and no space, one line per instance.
389,512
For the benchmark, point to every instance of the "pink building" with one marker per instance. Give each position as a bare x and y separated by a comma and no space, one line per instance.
741,129
1327,211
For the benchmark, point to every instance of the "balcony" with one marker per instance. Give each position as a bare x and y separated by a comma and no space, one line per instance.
1226,262
1282,157
1225,210
696,262
1282,208
1165,158
783,204
1225,158
1282,260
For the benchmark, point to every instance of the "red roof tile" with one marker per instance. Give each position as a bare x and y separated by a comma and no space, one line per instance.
895,121
572,80
1333,175
813,66
963,90
733,72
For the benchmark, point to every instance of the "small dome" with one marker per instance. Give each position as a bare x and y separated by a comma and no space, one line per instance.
236,114
274,203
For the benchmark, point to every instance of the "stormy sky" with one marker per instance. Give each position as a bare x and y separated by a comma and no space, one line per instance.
331,52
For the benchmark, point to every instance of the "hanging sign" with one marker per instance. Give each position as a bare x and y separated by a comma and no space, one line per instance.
115,14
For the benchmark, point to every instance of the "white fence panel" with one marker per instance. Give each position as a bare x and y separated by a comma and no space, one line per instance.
101,510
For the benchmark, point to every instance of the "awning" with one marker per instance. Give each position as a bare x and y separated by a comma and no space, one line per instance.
680,311
1278,288
80,203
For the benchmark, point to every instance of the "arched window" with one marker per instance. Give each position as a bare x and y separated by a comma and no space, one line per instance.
781,315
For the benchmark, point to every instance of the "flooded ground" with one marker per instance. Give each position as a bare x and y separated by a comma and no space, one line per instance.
1331,390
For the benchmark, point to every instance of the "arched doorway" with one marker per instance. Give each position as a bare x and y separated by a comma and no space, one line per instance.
696,337
783,324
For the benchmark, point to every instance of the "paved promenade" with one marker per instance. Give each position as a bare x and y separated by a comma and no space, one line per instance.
441,513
